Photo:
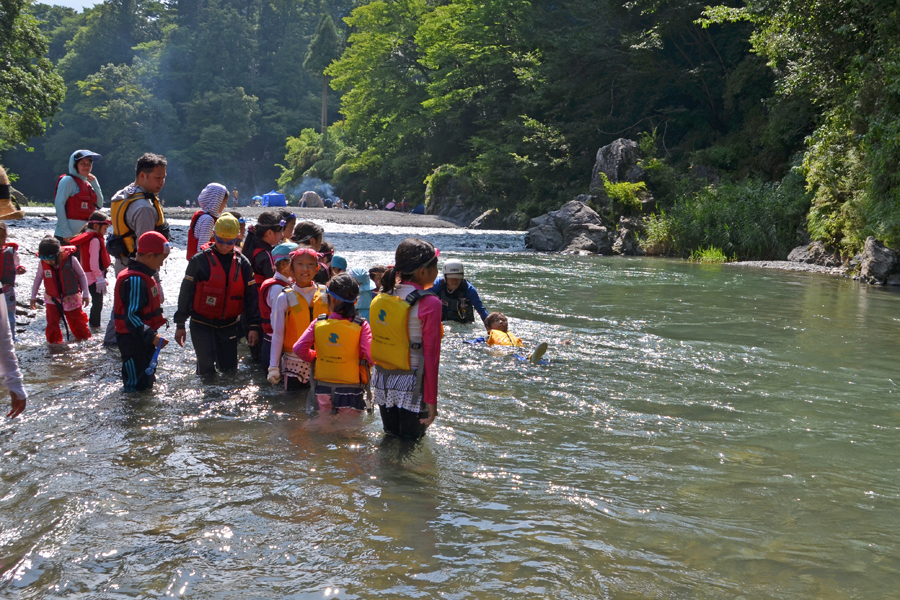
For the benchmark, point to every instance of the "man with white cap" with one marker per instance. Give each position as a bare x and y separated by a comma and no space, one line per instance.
78,195
459,297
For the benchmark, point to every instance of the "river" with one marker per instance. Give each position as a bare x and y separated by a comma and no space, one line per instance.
700,432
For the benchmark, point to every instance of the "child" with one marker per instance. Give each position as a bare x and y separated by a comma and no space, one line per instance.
294,309
341,357
290,220
307,233
258,244
8,272
243,223
212,201
63,280
366,293
338,266
269,291
497,325
137,311
95,260
326,253
218,292
406,341
376,272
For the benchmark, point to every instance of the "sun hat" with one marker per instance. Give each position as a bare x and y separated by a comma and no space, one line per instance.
227,228
339,262
454,269
79,154
153,242
361,276
283,251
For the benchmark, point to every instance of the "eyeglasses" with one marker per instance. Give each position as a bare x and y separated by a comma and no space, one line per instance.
226,242
242,220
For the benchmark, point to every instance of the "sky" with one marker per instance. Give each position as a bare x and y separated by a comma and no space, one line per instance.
78,5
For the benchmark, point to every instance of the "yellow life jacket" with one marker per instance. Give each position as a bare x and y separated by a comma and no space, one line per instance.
119,208
389,320
502,338
300,314
337,352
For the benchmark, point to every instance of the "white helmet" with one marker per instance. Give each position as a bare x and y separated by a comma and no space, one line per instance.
454,268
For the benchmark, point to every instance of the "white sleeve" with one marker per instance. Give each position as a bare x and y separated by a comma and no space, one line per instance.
277,320
9,366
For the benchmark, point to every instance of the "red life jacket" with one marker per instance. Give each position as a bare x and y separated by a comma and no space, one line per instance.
221,297
82,241
81,205
61,282
265,311
193,246
259,277
8,268
151,313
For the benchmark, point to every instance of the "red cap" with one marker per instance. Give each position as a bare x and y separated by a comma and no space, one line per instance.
153,242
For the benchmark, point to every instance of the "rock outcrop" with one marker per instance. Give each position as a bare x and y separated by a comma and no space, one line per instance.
815,253
575,227
452,195
619,162
494,219
878,262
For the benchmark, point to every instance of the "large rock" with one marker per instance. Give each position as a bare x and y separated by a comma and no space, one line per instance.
619,162
453,196
626,243
574,227
815,253
878,262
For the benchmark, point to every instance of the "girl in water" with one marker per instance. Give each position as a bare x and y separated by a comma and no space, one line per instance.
294,310
341,354
406,341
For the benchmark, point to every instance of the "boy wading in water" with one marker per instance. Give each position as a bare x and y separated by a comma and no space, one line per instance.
65,290
137,311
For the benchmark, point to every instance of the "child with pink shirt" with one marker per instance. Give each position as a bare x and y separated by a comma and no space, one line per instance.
406,341
95,261
341,357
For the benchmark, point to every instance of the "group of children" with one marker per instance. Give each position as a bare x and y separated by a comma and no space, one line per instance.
352,337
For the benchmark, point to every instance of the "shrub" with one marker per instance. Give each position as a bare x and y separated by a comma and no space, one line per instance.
657,238
710,255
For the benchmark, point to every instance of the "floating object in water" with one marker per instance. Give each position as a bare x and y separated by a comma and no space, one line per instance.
538,353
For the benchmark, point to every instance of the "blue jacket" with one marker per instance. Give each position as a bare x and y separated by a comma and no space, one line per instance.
453,309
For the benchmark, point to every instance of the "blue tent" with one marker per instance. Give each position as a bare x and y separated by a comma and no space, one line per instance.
273,198
419,210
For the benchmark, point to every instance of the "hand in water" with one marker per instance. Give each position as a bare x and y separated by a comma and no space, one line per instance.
16,407
432,415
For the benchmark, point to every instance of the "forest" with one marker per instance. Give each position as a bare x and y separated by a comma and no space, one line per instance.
757,118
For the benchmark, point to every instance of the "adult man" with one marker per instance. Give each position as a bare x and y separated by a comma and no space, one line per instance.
459,297
135,211
218,288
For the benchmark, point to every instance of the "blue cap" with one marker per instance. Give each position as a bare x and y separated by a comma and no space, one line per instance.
339,261
79,154
283,251
361,276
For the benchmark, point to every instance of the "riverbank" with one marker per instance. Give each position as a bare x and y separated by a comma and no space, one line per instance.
381,218
786,265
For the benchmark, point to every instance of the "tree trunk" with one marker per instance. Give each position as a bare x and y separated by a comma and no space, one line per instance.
324,103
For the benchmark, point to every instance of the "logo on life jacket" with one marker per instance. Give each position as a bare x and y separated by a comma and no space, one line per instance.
333,338
155,291
381,315
211,300
48,273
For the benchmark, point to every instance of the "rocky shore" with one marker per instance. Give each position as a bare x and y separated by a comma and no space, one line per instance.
383,218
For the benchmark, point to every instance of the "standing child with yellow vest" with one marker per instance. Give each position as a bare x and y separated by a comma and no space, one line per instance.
341,357
295,308
406,341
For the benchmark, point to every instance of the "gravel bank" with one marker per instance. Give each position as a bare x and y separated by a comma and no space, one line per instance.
383,218
785,265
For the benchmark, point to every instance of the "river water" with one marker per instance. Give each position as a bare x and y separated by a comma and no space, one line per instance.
700,432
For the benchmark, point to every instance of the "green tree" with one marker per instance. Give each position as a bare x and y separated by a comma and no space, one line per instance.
323,49
30,89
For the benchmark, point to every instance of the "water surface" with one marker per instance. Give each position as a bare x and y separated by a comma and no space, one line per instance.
701,432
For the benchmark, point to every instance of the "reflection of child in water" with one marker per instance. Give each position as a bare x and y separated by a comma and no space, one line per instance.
497,325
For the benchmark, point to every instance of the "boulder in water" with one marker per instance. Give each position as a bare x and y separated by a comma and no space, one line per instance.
815,253
574,227
878,262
